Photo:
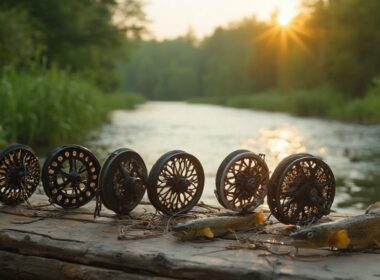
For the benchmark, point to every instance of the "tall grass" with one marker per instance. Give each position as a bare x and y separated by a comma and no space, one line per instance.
50,107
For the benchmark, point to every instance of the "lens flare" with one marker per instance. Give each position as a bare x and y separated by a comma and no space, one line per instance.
284,18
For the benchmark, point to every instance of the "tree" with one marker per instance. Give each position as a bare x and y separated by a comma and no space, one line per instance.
85,36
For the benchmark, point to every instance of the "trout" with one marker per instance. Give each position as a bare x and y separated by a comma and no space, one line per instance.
217,226
354,233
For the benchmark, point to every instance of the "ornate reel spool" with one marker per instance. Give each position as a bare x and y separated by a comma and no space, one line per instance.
70,176
122,181
242,181
19,174
175,183
301,190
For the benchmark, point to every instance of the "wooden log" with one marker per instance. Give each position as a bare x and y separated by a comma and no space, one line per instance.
74,239
16,266
109,256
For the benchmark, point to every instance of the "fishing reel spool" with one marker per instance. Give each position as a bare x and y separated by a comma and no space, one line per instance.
19,174
70,176
301,190
242,181
122,182
175,183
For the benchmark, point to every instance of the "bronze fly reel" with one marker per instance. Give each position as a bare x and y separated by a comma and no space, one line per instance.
175,183
301,190
242,181
19,174
122,181
70,176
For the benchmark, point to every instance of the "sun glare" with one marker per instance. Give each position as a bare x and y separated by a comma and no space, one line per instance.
284,18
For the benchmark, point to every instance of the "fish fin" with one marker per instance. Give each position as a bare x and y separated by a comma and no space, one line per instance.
374,208
260,218
207,232
231,230
339,239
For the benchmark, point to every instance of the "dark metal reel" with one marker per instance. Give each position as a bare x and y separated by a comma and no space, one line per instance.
274,182
305,191
221,168
241,181
123,181
70,176
175,183
19,174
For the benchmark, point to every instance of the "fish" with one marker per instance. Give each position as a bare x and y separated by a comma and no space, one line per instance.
353,233
217,226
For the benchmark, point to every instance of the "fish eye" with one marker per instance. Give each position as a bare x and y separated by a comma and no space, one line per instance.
310,234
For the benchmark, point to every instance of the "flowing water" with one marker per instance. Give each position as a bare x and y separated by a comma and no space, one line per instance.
211,132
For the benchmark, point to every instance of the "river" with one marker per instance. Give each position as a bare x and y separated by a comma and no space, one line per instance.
211,132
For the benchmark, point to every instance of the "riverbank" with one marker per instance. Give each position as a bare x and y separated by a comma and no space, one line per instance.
51,107
323,103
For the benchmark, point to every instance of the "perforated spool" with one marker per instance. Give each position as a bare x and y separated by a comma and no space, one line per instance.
242,181
303,190
70,176
19,174
175,183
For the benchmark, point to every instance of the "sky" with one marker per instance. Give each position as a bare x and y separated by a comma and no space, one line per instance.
173,18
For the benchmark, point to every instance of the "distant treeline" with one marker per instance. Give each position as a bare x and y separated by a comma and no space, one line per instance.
330,45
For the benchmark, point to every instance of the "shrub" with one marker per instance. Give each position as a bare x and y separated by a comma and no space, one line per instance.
47,107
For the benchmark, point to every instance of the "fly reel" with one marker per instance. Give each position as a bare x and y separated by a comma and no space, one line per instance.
301,190
242,181
19,174
70,176
175,183
122,181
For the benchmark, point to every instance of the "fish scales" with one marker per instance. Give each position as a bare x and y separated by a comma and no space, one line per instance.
217,226
358,232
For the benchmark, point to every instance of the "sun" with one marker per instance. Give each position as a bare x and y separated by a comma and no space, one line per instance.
284,18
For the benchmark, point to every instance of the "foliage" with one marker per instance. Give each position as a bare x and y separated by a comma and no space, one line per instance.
50,107
122,100
351,34
322,102
47,107
83,36
20,41
169,71
2,137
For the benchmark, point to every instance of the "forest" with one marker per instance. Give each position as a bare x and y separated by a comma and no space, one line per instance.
325,63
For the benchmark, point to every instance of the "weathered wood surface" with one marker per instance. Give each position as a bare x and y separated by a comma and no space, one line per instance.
44,242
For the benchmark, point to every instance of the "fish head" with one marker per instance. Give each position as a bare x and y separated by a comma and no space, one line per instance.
310,237
185,231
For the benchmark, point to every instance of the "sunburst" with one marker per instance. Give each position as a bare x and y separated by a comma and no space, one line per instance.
283,30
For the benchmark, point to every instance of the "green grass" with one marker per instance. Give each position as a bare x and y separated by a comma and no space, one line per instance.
122,100
321,102
51,107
